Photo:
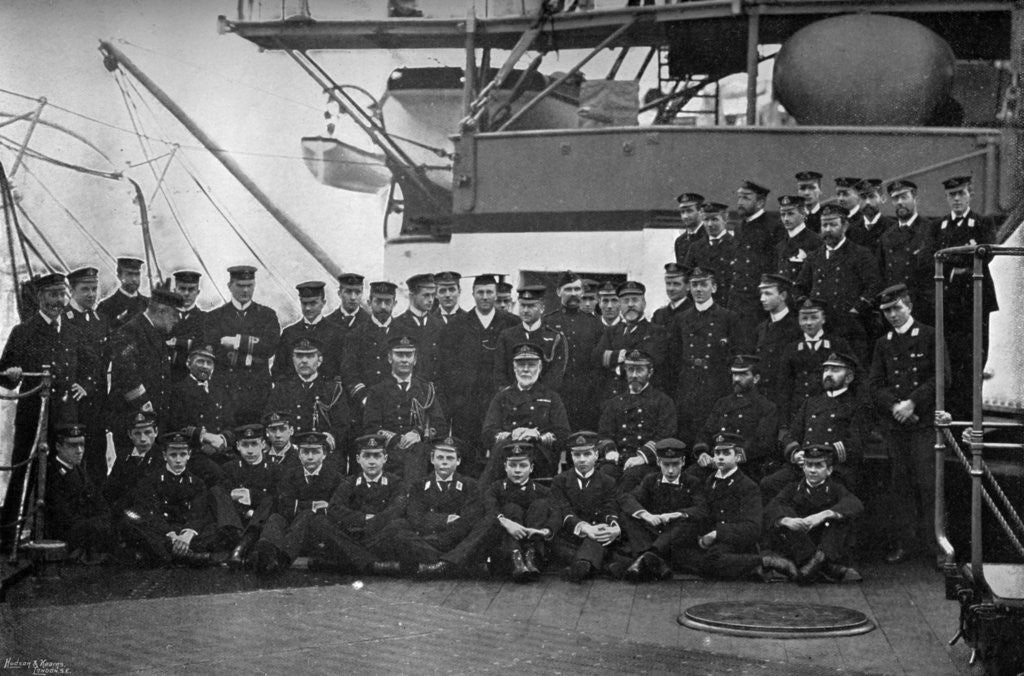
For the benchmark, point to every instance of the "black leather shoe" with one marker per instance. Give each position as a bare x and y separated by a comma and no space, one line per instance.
579,571
809,571
386,568
636,572
238,554
780,564
197,559
833,572
520,573
530,561
264,558
615,570
657,567
438,569
897,555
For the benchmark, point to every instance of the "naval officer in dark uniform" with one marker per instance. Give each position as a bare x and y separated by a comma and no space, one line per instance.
582,332
190,330
808,186
420,324
119,307
690,221
717,251
532,329
329,335
775,333
350,315
315,402
799,242
449,289
244,335
634,333
756,238
364,361
907,249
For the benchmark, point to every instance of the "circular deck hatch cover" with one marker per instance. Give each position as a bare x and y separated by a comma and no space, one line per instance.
776,620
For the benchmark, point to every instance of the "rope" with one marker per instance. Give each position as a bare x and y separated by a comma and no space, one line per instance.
22,395
35,154
951,442
42,236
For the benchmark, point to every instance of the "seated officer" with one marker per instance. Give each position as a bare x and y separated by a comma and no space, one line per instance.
405,410
809,521
587,502
730,533
361,507
129,469
303,496
169,517
530,411
745,412
244,499
662,515
635,420
518,519
441,511
75,509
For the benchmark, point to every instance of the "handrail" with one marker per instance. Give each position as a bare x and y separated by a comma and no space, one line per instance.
40,451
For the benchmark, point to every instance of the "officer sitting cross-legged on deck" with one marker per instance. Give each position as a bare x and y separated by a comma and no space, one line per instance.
587,501
809,522
663,515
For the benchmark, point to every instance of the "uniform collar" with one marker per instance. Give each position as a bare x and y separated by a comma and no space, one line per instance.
382,325
676,303
796,231
121,290
61,461
832,394
837,247
719,236
50,322
816,337
909,222
583,476
719,475
780,315
754,216
614,322
316,472
906,327
854,211
239,306
314,322
78,308
533,327
701,307
677,481
954,217
870,223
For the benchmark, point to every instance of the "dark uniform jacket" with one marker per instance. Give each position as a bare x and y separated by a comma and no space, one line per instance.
468,356
840,421
717,255
659,497
180,500
734,510
119,308
261,479
189,332
704,346
127,471
788,256
364,362
750,415
554,354
593,500
35,342
618,341
140,372
246,369
71,497
503,492
772,340
582,332
958,293
331,337
801,371
799,499
429,505
539,407
754,256
637,421
349,322
296,492
904,368
907,258
685,241
667,315
871,237
426,331
209,407
95,332
446,319
356,498
813,220
391,409
847,280
319,404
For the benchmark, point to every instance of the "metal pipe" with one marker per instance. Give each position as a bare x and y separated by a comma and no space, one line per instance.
293,228
941,538
565,76
28,135
647,60
939,165
753,36
977,447
991,176
618,63
469,77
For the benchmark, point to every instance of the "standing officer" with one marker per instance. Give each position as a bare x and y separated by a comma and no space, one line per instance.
775,333
582,332
350,315
245,336
140,369
329,335
588,301
119,307
469,349
693,229
678,292
907,249
756,239
418,323
707,337
94,329
608,305
799,242
365,358
717,251
636,420
848,198
868,230
808,186
504,302
963,227
190,331
635,333
532,329
449,289
844,275
903,388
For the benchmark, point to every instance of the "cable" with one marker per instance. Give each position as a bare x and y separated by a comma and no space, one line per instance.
43,237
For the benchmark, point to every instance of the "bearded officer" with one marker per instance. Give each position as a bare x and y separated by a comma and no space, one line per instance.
756,238
582,332
317,403
244,335
907,249
634,333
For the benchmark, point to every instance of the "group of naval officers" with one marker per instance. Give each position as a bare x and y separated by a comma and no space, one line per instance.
724,434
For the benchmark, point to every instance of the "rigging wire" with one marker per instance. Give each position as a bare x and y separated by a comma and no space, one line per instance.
39,232
11,144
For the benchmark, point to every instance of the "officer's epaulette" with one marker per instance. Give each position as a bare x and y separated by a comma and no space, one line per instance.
458,485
